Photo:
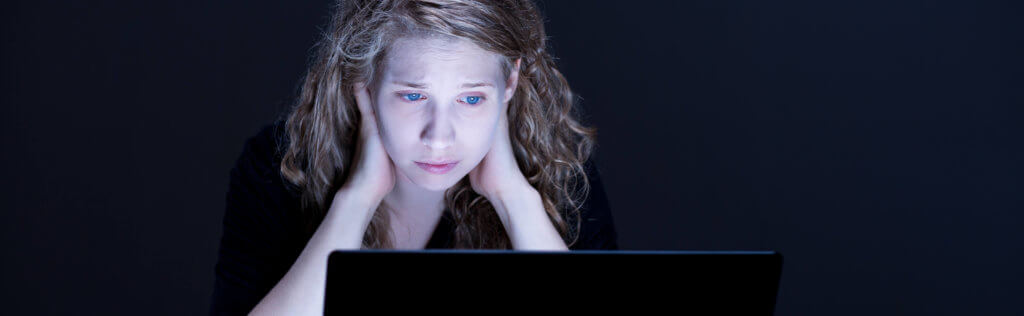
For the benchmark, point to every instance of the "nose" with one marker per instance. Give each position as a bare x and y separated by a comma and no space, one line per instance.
438,134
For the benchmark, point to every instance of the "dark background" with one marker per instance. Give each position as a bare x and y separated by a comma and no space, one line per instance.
876,144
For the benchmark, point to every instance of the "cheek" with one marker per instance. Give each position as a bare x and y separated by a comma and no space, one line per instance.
394,133
477,143
479,139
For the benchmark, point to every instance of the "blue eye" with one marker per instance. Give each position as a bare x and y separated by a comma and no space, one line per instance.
472,99
412,96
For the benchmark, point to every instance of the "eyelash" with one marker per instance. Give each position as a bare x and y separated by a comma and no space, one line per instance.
405,96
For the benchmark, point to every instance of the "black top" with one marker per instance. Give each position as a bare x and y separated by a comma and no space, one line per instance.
263,234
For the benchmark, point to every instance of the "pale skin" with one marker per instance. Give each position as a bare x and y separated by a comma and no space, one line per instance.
428,106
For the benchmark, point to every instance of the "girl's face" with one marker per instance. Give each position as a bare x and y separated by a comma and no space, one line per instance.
438,102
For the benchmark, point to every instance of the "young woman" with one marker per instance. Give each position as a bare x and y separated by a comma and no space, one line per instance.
420,124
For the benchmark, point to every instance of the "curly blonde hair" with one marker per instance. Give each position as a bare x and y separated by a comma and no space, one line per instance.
550,145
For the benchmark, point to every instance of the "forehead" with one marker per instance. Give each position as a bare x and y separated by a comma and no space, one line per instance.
418,58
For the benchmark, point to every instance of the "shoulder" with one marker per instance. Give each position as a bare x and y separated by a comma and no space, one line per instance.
260,159
267,145
260,240
597,226
258,195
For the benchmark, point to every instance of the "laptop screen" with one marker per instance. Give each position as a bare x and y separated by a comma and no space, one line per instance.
726,281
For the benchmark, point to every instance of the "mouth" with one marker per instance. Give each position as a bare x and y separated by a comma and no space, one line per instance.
441,167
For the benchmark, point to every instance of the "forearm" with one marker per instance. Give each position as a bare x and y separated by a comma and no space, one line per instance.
527,223
301,290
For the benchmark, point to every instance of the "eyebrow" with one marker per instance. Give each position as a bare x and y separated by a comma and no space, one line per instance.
423,85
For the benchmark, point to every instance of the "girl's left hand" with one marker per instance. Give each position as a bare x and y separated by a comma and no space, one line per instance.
498,173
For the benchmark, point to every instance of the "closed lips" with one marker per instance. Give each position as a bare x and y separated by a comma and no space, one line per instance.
438,168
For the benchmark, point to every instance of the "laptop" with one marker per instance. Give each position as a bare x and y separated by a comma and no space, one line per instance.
634,281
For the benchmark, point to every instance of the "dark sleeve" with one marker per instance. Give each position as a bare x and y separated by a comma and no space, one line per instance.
597,230
254,236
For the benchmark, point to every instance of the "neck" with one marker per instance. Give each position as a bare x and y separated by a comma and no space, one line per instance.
412,204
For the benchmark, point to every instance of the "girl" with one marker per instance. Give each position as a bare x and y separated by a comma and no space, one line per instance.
420,124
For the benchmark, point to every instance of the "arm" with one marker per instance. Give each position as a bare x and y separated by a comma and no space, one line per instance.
598,228
527,223
301,290
529,227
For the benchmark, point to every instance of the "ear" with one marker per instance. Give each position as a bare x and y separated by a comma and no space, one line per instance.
513,80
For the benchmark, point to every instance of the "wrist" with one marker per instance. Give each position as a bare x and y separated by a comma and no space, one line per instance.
359,198
526,221
346,221
513,192
509,201
353,202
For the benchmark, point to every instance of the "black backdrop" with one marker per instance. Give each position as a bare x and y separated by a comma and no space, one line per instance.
876,144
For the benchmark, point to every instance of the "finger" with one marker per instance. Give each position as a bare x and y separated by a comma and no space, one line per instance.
363,100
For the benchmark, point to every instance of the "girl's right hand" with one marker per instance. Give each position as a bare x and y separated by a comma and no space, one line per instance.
373,173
